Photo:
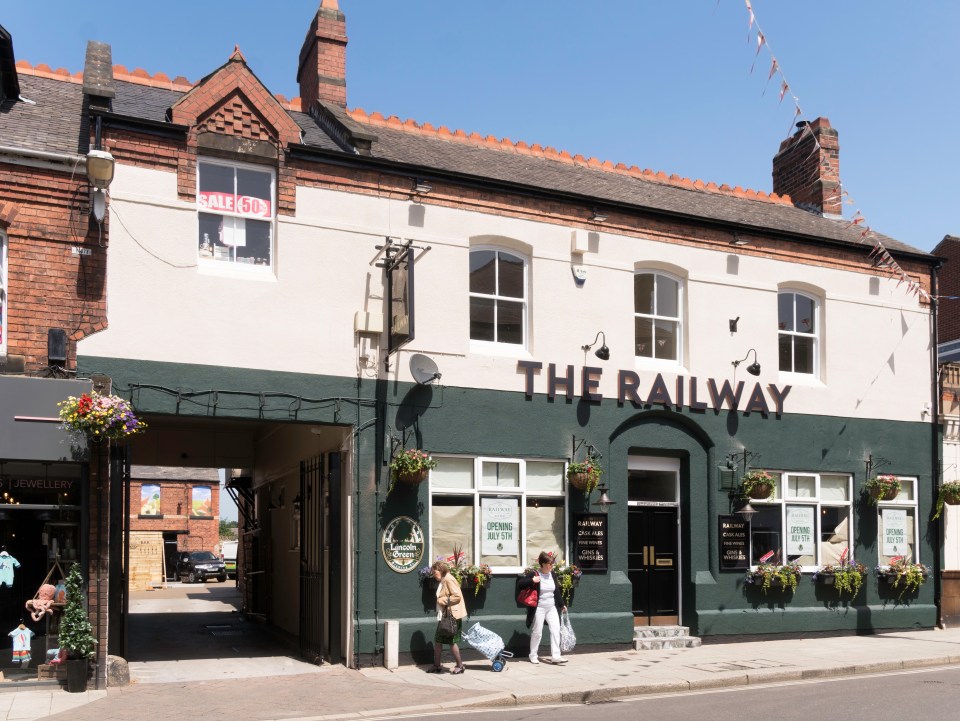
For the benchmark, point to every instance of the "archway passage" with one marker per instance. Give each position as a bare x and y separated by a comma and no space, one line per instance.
182,485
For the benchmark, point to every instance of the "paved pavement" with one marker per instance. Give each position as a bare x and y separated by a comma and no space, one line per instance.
231,677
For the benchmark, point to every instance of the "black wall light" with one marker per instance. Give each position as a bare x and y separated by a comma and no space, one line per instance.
754,368
603,353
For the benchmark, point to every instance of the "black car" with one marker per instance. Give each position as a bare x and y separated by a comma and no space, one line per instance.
198,566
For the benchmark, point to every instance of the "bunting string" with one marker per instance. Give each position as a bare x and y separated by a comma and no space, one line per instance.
882,258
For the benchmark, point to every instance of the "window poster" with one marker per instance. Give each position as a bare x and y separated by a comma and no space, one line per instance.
894,532
150,499
500,526
800,521
202,502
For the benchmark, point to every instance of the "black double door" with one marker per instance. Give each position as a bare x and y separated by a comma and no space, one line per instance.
653,564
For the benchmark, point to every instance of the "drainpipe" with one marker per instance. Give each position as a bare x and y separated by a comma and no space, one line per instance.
937,444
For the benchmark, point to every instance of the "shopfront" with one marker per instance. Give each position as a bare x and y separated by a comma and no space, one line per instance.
44,524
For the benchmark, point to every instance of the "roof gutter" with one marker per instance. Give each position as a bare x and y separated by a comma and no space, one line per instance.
154,127
43,158
334,157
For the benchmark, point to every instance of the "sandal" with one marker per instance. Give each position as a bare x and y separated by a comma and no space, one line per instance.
458,669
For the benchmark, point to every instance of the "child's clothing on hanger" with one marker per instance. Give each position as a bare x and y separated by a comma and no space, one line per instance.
7,564
22,637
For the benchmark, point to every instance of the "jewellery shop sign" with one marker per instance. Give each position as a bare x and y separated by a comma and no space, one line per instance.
402,544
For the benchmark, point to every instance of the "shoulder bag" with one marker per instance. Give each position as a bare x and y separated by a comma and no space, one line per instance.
528,597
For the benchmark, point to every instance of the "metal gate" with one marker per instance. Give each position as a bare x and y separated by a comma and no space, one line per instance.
314,556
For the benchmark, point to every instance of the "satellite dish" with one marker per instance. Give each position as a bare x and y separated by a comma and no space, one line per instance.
423,369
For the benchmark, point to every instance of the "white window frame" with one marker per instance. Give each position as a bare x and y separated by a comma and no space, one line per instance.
818,324
4,295
520,492
782,500
905,503
497,346
681,298
233,267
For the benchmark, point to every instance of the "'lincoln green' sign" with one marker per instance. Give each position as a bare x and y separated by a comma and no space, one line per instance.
402,544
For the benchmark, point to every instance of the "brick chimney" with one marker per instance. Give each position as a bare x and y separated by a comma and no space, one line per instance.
322,72
810,175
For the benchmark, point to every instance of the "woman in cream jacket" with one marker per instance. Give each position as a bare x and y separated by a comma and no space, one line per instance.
449,596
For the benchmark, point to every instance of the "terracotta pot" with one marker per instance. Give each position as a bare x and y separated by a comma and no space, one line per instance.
884,494
580,481
415,477
760,491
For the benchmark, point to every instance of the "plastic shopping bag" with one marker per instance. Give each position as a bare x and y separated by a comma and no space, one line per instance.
568,639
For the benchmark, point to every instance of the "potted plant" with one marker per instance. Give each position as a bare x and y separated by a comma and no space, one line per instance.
883,488
477,577
846,576
903,574
771,575
585,475
949,494
758,485
76,635
100,417
412,466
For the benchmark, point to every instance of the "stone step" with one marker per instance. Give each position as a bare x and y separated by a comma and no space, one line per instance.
660,631
652,638
656,644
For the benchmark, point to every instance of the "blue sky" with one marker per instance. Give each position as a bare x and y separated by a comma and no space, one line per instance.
661,85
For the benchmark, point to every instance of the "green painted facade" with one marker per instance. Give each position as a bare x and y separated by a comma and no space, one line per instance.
450,420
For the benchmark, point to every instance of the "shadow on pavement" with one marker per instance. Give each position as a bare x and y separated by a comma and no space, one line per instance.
198,622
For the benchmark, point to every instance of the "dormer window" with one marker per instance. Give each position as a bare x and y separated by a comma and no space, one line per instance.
236,212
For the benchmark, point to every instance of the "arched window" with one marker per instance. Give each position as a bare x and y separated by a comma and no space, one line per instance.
657,307
498,297
799,331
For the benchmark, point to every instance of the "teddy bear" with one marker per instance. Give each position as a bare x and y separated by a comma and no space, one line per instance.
43,603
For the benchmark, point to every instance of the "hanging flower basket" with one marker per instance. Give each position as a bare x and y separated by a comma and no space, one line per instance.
949,495
100,417
411,467
883,488
413,477
758,485
585,476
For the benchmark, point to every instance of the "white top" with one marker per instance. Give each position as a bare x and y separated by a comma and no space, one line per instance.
547,589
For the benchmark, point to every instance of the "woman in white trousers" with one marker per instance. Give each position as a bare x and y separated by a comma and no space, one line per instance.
549,607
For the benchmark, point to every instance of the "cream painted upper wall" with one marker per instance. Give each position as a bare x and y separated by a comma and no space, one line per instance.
875,338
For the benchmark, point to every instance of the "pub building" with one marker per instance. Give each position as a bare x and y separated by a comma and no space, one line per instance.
508,309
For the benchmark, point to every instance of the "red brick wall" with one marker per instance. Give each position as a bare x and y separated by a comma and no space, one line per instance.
175,500
948,312
49,287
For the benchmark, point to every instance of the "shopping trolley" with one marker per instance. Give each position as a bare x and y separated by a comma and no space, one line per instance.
489,644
